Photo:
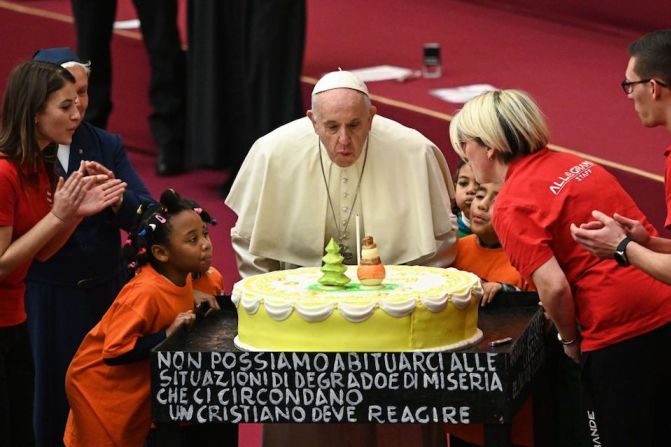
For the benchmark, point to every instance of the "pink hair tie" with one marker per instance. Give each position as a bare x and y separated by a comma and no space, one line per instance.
142,251
127,242
198,210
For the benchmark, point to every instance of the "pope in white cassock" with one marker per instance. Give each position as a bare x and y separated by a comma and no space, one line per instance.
305,183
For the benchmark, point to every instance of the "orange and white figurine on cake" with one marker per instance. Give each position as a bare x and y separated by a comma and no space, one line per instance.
371,272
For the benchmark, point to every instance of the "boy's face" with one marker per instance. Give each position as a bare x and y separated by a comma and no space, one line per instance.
465,189
481,211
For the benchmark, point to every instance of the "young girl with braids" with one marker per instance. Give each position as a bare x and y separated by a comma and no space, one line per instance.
108,381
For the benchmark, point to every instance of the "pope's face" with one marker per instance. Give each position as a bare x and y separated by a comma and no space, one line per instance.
342,119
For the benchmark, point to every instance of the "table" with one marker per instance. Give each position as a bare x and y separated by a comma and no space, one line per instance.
199,376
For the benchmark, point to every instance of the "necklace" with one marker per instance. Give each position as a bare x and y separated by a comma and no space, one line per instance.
344,251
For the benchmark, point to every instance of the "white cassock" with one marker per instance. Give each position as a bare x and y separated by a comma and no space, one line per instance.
284,217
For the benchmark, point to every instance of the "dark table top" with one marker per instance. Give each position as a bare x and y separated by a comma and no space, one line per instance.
487,384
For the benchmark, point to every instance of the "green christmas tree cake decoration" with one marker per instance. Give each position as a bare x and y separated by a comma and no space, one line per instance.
334,271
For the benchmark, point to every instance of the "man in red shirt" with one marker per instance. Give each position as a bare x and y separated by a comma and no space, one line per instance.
648,83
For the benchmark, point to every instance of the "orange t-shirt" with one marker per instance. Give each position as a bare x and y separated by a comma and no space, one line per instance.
111,405
211,282
490,264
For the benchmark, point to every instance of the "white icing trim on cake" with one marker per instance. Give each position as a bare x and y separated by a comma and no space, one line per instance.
461,301
250,304
356,313
398,309
466,286
235,297
435,304
278,311
314,313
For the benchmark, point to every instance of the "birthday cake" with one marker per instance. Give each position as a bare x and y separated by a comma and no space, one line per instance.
415,309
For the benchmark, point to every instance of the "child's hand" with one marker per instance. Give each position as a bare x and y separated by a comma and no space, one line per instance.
182,319
200,297
491,289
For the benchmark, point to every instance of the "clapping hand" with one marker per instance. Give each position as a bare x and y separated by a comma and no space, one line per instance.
100,196
95,168
634,228
102,189
81,196
601,237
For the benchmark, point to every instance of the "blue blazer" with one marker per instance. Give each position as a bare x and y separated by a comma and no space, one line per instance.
93,252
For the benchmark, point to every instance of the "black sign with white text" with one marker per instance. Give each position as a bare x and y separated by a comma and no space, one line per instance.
326,387
479,385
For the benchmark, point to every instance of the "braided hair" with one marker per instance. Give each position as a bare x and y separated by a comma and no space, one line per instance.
152,226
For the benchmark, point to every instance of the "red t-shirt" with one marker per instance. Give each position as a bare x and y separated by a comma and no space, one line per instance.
22,205
542,195
667,187
111,405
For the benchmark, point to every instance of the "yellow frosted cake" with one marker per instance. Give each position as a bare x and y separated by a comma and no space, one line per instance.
416,309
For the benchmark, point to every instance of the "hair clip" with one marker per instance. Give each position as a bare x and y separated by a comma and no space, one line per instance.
139,209
213,221
132,265
152,226
160,218
127,242
142,233
198,210
141,251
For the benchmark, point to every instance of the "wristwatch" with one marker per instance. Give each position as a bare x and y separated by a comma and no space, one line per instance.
620,254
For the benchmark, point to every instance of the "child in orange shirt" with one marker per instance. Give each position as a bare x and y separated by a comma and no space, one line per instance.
463,196
482,254
108,381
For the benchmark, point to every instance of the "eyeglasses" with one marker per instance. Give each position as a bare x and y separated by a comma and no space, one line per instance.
628,86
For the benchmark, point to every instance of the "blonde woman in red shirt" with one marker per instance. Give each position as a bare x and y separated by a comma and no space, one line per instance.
613,319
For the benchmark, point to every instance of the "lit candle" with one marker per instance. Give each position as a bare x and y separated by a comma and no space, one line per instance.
358,240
